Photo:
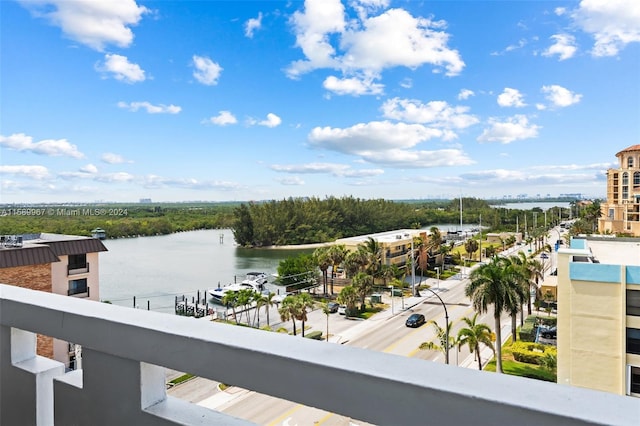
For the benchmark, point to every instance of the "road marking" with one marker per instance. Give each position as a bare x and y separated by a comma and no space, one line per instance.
284,418
324,419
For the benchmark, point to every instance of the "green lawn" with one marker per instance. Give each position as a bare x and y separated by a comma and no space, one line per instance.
515,368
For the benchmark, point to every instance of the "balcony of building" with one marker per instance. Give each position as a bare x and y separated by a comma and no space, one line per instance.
125,352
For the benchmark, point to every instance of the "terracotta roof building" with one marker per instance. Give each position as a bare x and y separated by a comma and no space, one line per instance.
621,211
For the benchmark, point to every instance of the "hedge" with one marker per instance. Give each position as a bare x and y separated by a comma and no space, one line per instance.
316,335
531,353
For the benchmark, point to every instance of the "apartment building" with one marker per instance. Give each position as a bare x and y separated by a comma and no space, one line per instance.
62,264
599,314
621,212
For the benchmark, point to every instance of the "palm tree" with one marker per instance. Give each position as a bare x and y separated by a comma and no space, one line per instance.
230,298
349,297
268,303
336,254
245,297
363,283
321,258
327,312
490,284
289,311
304,301
373,249
441,336
474,334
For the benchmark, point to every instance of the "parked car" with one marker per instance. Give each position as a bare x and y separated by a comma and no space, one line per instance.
342,310
333,307
548,333
415,320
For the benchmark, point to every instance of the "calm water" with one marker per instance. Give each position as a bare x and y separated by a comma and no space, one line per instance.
156,269
544,205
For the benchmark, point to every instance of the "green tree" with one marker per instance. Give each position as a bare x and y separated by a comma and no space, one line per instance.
327,312
490,284
373,249
348,296
268,303
441,337
304,301
289,310
243,226
322,260
471,246
230,299
475,334
363,284
337,254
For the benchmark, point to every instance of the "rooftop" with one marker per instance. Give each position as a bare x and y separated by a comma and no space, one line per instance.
382,237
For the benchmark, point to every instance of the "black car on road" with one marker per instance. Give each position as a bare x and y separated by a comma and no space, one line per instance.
415,320
548,333
333,307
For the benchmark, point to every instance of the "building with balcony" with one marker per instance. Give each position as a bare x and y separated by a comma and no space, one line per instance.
54,263
598,293
395,245
621,212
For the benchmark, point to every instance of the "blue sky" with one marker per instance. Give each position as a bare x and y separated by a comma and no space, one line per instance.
252,100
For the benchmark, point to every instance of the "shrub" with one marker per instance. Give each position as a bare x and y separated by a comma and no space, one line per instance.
532,353
315,335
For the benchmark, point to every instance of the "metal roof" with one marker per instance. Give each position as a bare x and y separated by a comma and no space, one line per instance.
28,255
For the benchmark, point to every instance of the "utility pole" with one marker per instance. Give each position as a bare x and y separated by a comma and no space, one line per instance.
480,238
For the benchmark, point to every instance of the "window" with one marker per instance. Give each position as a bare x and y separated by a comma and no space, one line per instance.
77,261
633,302
78,287
634,380
633,341
636,179
630,162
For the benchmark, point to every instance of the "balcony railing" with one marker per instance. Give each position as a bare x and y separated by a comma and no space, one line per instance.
78,269
79,291
123,378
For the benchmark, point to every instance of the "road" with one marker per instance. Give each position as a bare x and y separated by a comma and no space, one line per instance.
385,332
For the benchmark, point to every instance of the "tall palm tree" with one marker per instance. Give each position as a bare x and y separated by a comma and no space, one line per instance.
474,334
230,299
304,301
336,254
348,296
490,285
327,312
289,311
321,258
268,303
441,336
374,255
363,283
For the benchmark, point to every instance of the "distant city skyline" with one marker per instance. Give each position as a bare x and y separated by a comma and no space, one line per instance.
242,100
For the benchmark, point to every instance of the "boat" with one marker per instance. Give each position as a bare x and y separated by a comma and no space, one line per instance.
254,281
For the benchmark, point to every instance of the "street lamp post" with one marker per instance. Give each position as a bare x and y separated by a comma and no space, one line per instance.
446,325
438,276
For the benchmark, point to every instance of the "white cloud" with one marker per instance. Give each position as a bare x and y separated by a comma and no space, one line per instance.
111,158
564,47
33,172
368,45
223,118
511,98
612,23
272,120
115,177
252,24
465,94
436,113
290,181
339,170
206,71
154,181
559,11
121,68
383,142
352,86
48,147
89,168
150,108
92,23
514,128
559,96
406,83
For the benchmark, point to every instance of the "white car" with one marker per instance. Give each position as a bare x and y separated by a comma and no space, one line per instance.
342,310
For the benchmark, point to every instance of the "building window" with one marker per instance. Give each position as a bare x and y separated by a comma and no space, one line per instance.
633,302
630,162
78,264
633,341
611,213
625,178
636,179
78,287
634,381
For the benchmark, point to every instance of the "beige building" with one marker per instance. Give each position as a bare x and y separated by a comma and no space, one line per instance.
396,245
621,211
60,264
599,314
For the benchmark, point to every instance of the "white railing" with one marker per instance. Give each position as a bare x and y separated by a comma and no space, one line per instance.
123,379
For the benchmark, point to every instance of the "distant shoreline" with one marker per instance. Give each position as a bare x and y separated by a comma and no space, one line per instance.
296,246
